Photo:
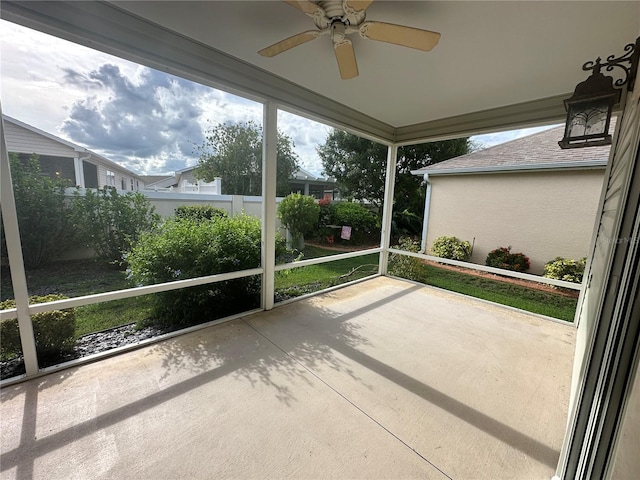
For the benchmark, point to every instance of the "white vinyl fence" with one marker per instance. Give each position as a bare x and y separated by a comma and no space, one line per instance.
165,204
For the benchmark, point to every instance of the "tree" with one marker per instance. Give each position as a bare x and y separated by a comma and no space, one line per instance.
234,152
111,223
299,213
43,215
357,164
359,167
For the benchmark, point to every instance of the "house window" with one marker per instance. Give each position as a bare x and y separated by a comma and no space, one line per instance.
132,189
111,178
58,168
137,185
123,183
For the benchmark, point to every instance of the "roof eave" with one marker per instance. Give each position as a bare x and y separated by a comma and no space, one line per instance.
582,165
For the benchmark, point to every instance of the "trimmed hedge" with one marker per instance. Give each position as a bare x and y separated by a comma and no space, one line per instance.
54,331
186,248
404,266
565,269
299,213
502,257
452,248
199,212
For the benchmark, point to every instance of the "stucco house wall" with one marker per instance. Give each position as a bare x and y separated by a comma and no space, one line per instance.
542,214
527,193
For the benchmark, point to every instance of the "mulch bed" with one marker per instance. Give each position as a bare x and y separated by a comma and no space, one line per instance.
88,345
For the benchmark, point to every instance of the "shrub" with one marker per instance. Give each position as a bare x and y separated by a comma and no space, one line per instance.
362,221
451,247
565,269
111,223
355,215
43,216
503,258
327,213
182,249
299,214
54,331
406,223
200,212
404,266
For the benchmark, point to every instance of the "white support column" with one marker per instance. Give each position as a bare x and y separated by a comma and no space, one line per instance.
425,217
269,168
387,212
16,263
77,170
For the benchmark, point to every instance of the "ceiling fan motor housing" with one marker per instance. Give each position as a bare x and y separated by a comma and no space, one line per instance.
338,11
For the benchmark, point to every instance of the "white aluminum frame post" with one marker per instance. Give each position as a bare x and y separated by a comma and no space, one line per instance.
269,169
14,251
387,207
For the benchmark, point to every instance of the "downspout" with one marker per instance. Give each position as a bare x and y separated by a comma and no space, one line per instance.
425,221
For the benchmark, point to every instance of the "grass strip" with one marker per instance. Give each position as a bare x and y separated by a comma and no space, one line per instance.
532,300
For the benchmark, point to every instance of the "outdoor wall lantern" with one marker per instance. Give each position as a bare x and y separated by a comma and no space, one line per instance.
589,109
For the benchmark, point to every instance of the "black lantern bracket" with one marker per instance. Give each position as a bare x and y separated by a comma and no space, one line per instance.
590,108
632,52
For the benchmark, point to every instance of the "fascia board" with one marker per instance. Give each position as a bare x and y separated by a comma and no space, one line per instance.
590,165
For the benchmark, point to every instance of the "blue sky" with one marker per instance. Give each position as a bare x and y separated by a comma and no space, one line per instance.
148,121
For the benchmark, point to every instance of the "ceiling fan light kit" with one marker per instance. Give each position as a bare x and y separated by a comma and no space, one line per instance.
339,18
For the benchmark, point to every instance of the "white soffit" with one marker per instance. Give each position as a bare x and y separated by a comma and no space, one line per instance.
491,54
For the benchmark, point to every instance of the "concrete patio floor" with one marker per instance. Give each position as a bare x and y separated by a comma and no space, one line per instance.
383,379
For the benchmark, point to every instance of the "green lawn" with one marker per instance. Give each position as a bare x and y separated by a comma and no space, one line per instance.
299,281
85,277
532,300
78,278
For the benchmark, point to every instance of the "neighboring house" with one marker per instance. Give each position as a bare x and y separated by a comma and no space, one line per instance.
308,184
62,159
527,193
184,180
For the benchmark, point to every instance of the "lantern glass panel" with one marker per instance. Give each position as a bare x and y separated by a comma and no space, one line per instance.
588,118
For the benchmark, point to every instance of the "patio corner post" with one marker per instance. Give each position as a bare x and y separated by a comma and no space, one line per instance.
387,209
425,217
269,168
16,263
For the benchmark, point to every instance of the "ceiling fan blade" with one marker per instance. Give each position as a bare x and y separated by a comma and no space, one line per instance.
288,43
357,5
306,6
346,59
400,35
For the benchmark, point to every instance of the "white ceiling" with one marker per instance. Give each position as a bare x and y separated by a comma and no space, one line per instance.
491,54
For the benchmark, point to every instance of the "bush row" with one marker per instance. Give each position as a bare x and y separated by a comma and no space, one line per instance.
502,257
50,223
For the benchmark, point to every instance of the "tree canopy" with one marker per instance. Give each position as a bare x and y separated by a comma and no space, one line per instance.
359,165
234,152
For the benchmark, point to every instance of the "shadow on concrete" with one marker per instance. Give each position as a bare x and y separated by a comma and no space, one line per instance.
245,349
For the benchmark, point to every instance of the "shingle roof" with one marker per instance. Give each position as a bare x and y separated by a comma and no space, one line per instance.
149,179
534,152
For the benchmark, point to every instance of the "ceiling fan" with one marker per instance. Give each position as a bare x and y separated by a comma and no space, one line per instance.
339,18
